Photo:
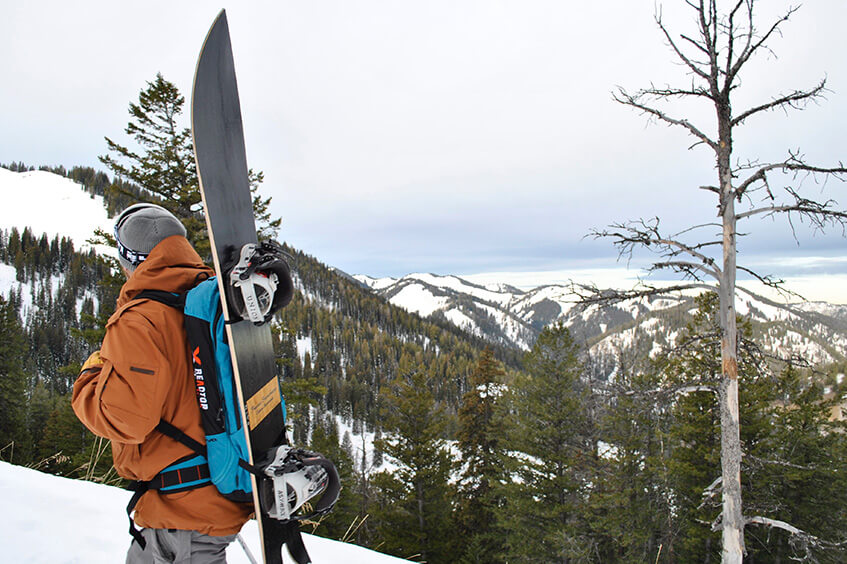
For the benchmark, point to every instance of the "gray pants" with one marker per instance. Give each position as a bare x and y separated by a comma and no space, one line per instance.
173,546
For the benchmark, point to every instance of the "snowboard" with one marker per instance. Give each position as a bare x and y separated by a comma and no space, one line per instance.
225,188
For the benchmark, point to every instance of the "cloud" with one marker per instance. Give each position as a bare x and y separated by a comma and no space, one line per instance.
447,136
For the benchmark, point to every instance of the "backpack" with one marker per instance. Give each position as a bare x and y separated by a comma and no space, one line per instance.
222,461
259,284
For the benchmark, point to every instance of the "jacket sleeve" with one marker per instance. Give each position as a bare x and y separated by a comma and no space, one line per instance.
120,395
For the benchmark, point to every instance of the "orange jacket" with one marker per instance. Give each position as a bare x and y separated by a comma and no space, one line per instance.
143,375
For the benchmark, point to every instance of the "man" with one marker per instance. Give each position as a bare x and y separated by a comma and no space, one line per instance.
142,375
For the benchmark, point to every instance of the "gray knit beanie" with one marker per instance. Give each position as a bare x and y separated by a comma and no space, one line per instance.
140,228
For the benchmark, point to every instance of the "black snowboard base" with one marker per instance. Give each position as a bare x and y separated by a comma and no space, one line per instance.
222,169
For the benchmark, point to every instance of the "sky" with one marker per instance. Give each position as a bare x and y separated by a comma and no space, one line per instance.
453,137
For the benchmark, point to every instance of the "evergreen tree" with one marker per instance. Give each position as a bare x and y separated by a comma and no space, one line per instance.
326,441
550,429
162,163
413,513
631,505
694,435
13,385
796,472
480,439
163,160
794,468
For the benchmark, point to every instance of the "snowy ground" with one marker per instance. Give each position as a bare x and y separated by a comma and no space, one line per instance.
48,519
49,203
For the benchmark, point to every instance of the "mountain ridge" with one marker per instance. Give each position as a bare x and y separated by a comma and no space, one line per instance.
817,330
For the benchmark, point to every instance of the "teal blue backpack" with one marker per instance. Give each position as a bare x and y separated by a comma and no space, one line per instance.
222,461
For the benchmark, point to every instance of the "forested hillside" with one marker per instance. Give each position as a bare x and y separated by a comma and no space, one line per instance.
452,448
352,343
448,445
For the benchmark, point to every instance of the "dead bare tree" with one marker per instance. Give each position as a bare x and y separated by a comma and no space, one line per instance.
714,56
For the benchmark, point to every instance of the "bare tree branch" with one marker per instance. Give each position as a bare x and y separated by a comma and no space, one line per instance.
794,163
777,284
730,33
623,97
711,491
796,100
682,56
687,268
751,47
820,215
783,306
764,461
669,92
645,233
676,391
801,541
591,294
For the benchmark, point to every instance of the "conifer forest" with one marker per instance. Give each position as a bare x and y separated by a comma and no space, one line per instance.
452,447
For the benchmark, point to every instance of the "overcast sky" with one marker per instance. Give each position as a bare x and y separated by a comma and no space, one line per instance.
452,137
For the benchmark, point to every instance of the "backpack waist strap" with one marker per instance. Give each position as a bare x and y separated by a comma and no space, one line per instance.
185,474
182,475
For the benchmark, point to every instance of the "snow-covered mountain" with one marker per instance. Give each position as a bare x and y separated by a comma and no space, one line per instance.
49,519
508,315
49,203
501,313
497,312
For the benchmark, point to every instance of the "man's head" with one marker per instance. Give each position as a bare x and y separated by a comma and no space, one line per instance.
140,228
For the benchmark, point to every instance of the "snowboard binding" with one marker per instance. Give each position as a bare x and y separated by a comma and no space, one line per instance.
293,477
259,282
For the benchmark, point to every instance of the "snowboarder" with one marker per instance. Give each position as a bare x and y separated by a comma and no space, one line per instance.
137,378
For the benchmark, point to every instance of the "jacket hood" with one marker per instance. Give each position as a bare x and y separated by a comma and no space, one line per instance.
172,266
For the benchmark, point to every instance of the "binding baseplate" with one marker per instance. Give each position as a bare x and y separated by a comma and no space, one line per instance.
295,476
259,282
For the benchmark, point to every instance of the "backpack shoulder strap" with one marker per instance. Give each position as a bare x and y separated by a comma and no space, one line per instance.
176,301
169,430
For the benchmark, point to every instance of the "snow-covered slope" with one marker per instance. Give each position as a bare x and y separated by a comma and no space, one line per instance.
52,204
56,520
486,311
501,313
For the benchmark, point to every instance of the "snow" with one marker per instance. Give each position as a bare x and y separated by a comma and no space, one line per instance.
304,345
375,283
61,207
461,320
9,283
459,285
48,519
418,299
8,280
364,442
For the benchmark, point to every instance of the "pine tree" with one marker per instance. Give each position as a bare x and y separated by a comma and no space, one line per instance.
480,439
550,429
631,503
163,163
694,434
13,430
413,514
326,441
796,471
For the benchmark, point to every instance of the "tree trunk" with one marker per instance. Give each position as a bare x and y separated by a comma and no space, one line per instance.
732,519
